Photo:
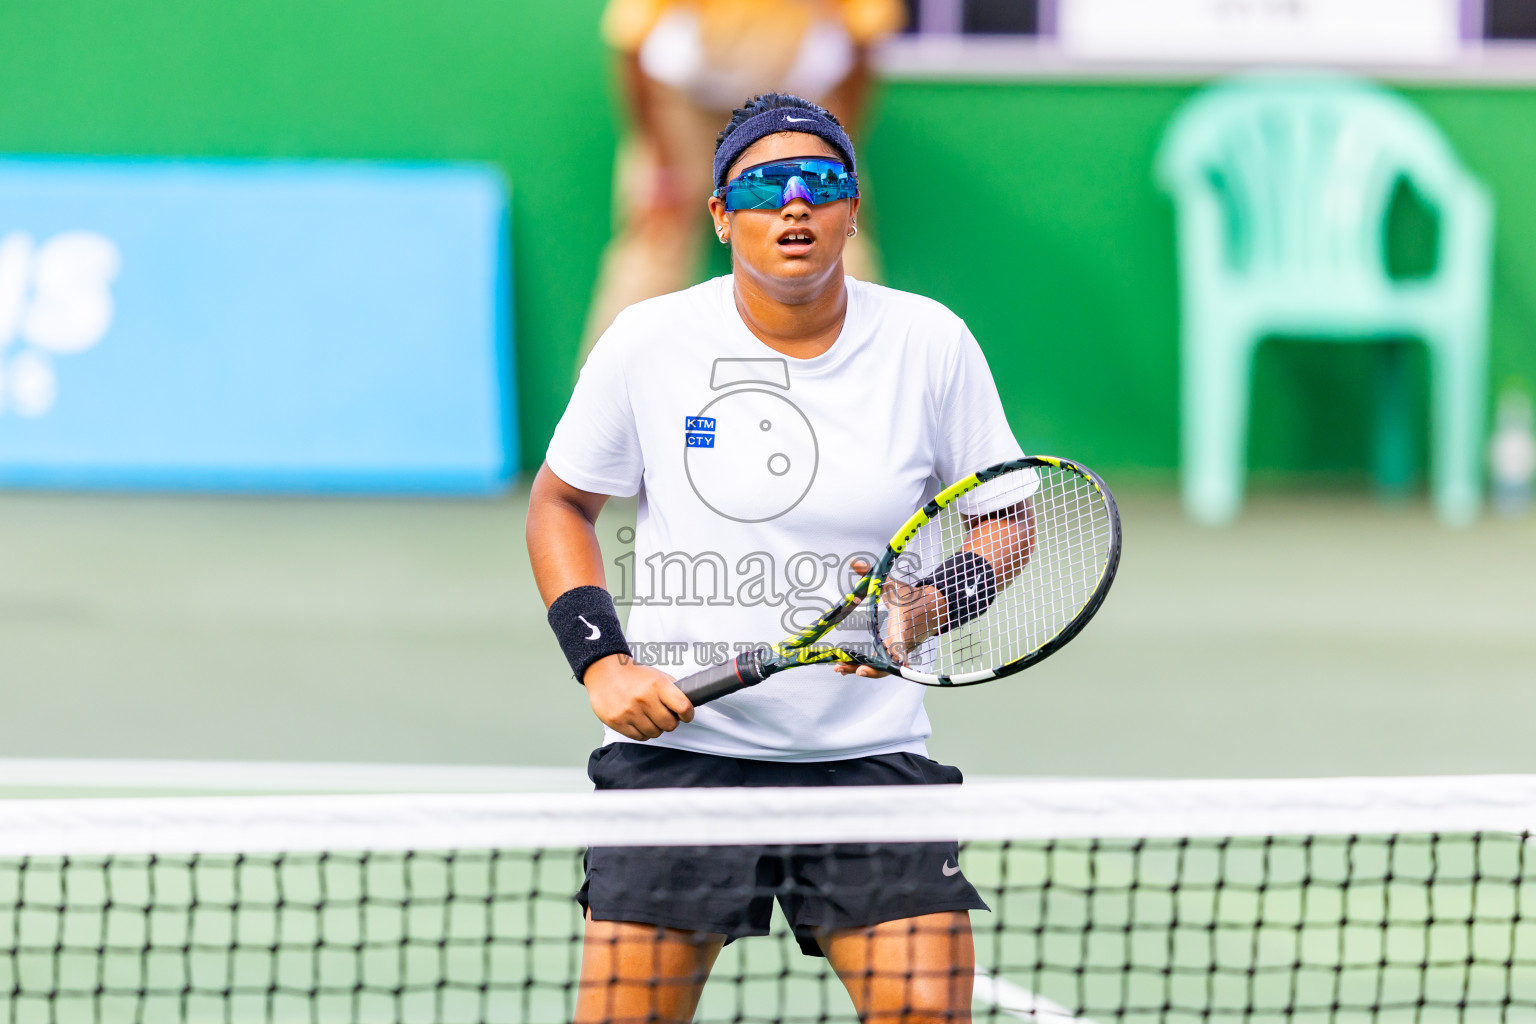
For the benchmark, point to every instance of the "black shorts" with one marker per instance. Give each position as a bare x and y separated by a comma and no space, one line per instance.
729,890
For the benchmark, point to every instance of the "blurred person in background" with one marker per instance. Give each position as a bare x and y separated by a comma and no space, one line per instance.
684,64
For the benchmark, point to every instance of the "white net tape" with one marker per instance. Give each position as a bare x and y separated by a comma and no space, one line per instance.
1005,810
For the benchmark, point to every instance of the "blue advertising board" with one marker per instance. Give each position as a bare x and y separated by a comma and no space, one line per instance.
262,326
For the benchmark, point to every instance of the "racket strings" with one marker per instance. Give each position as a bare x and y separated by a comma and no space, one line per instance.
1046,535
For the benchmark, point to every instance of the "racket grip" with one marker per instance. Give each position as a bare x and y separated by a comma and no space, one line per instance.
740,672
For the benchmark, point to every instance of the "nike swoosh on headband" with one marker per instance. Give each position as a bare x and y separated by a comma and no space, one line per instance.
800,120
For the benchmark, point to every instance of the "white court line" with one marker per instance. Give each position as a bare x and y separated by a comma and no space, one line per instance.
1021,1002
285,776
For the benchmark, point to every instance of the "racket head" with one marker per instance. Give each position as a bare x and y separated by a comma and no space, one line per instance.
1068,517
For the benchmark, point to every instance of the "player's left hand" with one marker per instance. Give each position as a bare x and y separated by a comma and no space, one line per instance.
910,611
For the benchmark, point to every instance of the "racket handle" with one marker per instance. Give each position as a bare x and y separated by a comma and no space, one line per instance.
740,672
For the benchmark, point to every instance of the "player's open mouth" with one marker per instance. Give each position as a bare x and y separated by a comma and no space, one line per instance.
796,241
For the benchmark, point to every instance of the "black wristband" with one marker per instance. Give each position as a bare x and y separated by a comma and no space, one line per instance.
587,626
968,583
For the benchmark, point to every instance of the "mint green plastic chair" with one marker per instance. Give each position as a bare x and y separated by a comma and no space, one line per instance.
1282,187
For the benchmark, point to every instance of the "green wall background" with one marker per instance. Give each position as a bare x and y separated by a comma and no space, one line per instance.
1027,207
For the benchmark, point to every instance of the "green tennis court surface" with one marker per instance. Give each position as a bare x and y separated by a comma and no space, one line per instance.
1318,636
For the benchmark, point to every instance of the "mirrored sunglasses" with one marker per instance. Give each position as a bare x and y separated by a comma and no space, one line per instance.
771,186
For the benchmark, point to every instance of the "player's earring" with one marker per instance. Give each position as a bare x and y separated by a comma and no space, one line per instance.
853,229
723,239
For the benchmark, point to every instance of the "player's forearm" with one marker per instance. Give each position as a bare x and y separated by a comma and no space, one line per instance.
996,549
1006,541
562,536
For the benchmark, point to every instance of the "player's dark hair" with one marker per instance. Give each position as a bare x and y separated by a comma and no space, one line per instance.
772,112
770,101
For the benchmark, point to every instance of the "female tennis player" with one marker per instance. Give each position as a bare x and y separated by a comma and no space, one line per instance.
778,424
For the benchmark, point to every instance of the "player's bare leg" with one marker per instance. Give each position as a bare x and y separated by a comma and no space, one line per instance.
642,974
914,971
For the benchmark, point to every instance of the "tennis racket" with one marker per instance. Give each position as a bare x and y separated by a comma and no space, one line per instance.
995,574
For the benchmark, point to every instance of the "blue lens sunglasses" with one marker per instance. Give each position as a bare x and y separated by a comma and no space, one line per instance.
773,185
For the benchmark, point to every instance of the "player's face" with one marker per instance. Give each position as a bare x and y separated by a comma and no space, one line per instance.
798,245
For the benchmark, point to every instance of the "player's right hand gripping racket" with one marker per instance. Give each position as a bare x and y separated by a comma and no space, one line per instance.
993,575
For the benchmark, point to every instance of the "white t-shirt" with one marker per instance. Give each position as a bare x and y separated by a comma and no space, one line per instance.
760,478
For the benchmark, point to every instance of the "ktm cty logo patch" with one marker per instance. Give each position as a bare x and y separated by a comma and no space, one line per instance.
699,431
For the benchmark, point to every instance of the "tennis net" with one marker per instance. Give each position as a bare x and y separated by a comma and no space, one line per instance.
1390,900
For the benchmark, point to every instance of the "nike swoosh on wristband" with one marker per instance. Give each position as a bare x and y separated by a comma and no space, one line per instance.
595,631
949,871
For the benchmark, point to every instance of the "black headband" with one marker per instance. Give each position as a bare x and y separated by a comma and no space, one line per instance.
780,119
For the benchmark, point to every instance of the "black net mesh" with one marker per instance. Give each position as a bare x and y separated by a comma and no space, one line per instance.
1405,928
